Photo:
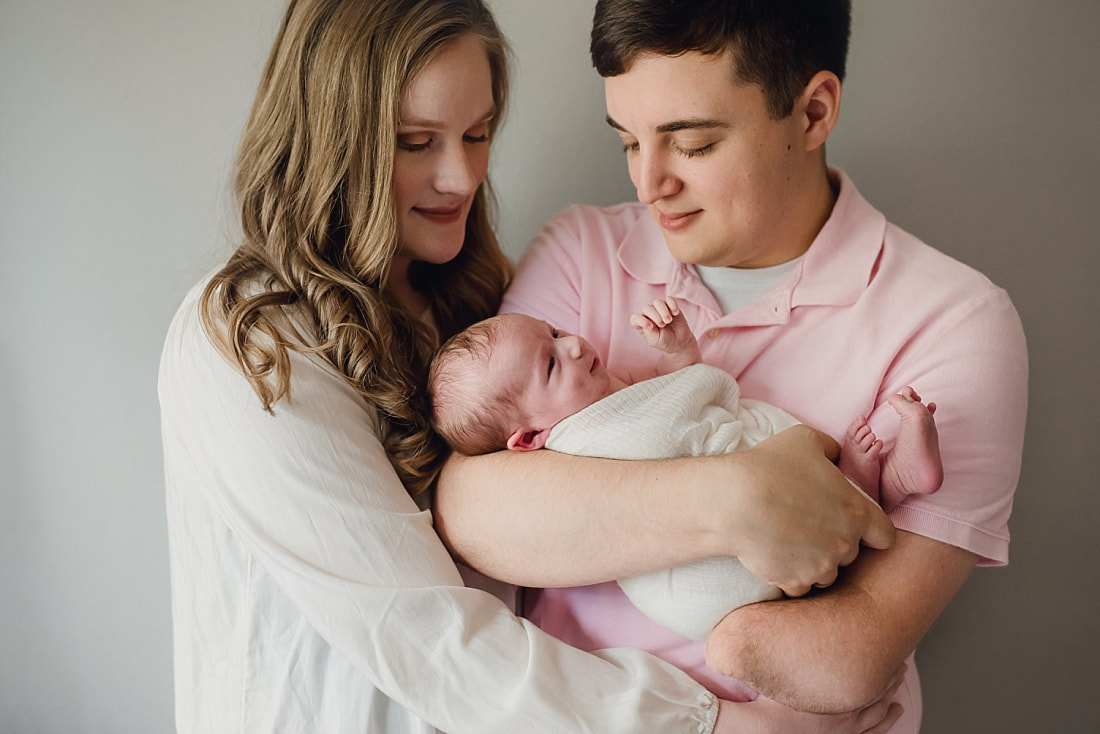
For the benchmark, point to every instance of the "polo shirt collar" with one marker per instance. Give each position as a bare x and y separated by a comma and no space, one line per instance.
834,271
644,255
841,260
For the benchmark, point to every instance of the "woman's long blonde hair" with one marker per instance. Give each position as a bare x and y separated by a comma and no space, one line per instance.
314,182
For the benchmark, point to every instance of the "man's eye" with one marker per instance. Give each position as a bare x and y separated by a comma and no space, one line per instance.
694,152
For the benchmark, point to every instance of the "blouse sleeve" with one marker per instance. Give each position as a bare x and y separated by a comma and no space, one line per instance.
310,494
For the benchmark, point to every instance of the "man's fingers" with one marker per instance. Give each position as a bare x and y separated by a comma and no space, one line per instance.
795,590
822,580
827,443
880,531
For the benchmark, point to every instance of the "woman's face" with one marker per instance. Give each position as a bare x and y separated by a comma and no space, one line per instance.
442,150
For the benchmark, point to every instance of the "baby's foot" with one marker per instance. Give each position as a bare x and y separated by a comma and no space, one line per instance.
860,458
913,466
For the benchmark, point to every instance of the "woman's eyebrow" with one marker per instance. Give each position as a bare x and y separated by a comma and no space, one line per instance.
425,122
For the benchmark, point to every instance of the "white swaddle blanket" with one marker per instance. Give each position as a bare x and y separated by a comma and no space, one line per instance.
695,411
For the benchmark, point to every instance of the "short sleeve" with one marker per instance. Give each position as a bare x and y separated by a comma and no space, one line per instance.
972,362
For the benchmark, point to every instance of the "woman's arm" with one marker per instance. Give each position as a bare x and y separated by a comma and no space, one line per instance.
297,524
547,519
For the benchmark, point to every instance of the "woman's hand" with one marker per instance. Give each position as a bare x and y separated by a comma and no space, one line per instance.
795,518
765,716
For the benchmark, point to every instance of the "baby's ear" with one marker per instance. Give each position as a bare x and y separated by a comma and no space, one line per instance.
528,439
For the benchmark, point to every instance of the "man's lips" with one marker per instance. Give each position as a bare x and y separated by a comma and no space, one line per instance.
675,221
440,215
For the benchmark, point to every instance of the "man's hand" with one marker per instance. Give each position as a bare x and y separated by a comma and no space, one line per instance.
833,650
767,716
801,519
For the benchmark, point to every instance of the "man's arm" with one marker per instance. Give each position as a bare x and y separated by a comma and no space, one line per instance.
546,519
833,651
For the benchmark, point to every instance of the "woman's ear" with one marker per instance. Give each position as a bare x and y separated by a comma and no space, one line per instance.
819,107
528,439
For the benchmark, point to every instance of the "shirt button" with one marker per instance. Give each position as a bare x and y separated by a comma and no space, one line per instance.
713,333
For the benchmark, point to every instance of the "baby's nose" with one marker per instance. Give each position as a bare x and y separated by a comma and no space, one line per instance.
575,348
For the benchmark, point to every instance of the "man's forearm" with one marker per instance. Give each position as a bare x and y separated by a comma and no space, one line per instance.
835,650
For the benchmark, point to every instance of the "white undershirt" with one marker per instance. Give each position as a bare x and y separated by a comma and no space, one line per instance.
736,288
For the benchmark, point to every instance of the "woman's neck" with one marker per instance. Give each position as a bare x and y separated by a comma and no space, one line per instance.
400,288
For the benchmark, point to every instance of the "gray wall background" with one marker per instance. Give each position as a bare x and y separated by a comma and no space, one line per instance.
972,124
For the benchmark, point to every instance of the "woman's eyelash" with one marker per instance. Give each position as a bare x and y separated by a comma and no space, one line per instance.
427,144
415,147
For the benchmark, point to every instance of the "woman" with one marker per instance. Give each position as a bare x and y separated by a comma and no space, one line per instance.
310,592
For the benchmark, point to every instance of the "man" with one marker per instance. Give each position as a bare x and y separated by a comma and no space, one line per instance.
803,292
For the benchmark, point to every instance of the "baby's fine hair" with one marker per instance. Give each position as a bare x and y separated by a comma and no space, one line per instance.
473,416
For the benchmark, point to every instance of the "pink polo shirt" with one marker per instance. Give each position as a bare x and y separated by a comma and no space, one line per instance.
867,311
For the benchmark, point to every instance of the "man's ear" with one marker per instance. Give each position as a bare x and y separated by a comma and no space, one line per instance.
819,107
528,439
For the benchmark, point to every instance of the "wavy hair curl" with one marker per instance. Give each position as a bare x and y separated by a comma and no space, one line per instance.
314,183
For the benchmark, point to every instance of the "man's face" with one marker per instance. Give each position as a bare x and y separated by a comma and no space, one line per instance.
725,181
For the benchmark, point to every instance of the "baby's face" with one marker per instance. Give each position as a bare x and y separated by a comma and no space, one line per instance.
552,373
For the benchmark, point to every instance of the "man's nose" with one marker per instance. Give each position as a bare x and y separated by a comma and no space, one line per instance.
652,177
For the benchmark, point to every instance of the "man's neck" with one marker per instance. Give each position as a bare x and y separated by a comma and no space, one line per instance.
818,203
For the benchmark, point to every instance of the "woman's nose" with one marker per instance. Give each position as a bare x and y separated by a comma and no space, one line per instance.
456,173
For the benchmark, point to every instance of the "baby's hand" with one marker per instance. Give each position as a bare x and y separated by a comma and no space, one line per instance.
664,328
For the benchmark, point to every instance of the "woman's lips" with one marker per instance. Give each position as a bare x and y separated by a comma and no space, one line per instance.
440,215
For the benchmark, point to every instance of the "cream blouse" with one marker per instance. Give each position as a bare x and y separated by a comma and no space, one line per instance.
311,594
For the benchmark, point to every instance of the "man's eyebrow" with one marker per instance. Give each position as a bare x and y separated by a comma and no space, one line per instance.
612,123
691,123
